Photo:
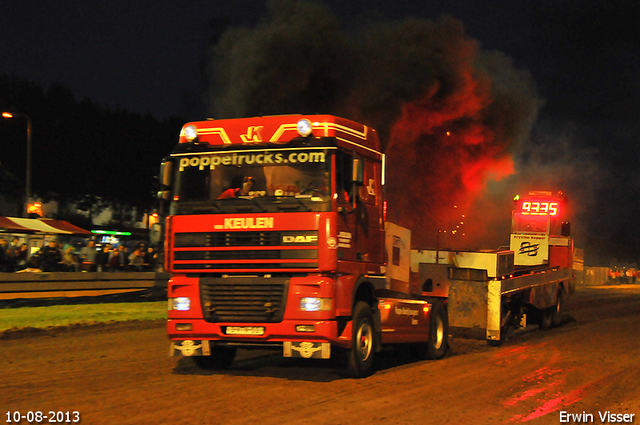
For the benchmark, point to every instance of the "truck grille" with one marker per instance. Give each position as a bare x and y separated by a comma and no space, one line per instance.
255,251
219,239
243,299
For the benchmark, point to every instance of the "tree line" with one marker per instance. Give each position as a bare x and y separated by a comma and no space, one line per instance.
79,148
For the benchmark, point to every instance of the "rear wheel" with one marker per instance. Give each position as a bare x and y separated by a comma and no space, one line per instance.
362,352
558,310
436,347
220,358
439,332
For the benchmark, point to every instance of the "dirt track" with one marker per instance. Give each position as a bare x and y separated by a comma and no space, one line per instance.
122,374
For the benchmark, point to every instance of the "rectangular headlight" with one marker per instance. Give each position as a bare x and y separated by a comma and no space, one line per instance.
315,304
180,303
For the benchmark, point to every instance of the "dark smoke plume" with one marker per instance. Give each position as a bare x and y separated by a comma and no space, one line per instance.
295,61
449,114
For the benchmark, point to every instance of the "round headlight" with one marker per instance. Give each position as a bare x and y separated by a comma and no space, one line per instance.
304,127
190,132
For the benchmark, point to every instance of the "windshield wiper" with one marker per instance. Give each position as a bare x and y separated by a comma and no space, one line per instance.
206,209
291,206
282,203
241,206
311,198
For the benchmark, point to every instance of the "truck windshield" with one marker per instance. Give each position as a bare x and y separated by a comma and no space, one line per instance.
262,176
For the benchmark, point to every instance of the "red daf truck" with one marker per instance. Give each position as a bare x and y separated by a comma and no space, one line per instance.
276,238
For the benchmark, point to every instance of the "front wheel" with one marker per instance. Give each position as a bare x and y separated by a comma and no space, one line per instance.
362,351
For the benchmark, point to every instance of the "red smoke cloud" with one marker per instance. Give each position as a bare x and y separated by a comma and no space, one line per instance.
440,155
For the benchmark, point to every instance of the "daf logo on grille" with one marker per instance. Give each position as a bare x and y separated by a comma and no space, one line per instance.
300,239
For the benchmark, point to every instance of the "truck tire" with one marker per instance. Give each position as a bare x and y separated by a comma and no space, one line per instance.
439,332
558,310
546,318
361,355
220,358
436,347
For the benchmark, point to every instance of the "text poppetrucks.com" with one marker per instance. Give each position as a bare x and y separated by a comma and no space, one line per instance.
262,158
605,417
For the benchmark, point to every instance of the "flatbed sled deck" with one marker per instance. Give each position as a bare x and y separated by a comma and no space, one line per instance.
489,308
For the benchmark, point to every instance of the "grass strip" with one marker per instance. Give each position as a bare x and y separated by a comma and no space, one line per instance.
65,315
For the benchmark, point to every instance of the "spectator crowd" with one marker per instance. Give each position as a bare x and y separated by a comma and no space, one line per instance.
622,275
55,256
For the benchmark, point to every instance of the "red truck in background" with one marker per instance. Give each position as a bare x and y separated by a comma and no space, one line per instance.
276,238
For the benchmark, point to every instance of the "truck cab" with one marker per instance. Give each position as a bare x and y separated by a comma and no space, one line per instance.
275,236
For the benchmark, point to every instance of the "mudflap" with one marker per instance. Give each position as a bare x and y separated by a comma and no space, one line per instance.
189,348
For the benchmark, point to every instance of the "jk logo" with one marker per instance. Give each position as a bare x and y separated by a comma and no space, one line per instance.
253,134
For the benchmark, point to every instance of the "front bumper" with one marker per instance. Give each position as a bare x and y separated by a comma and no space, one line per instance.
296,338
300,349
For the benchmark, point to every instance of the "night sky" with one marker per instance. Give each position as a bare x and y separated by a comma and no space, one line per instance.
147,56
583,57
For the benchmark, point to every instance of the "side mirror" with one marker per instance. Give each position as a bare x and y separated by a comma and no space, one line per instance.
358,171
358,180
156,233
566,228
166,171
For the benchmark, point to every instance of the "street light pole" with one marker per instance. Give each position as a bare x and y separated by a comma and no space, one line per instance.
28,182
28,190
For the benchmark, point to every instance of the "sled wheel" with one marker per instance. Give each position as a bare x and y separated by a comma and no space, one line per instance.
546,317
558,310
506,325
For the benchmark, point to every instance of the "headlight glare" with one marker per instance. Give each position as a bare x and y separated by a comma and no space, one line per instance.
190,132
305,127
181,304
315,304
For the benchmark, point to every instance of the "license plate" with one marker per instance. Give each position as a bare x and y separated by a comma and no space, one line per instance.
245,330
